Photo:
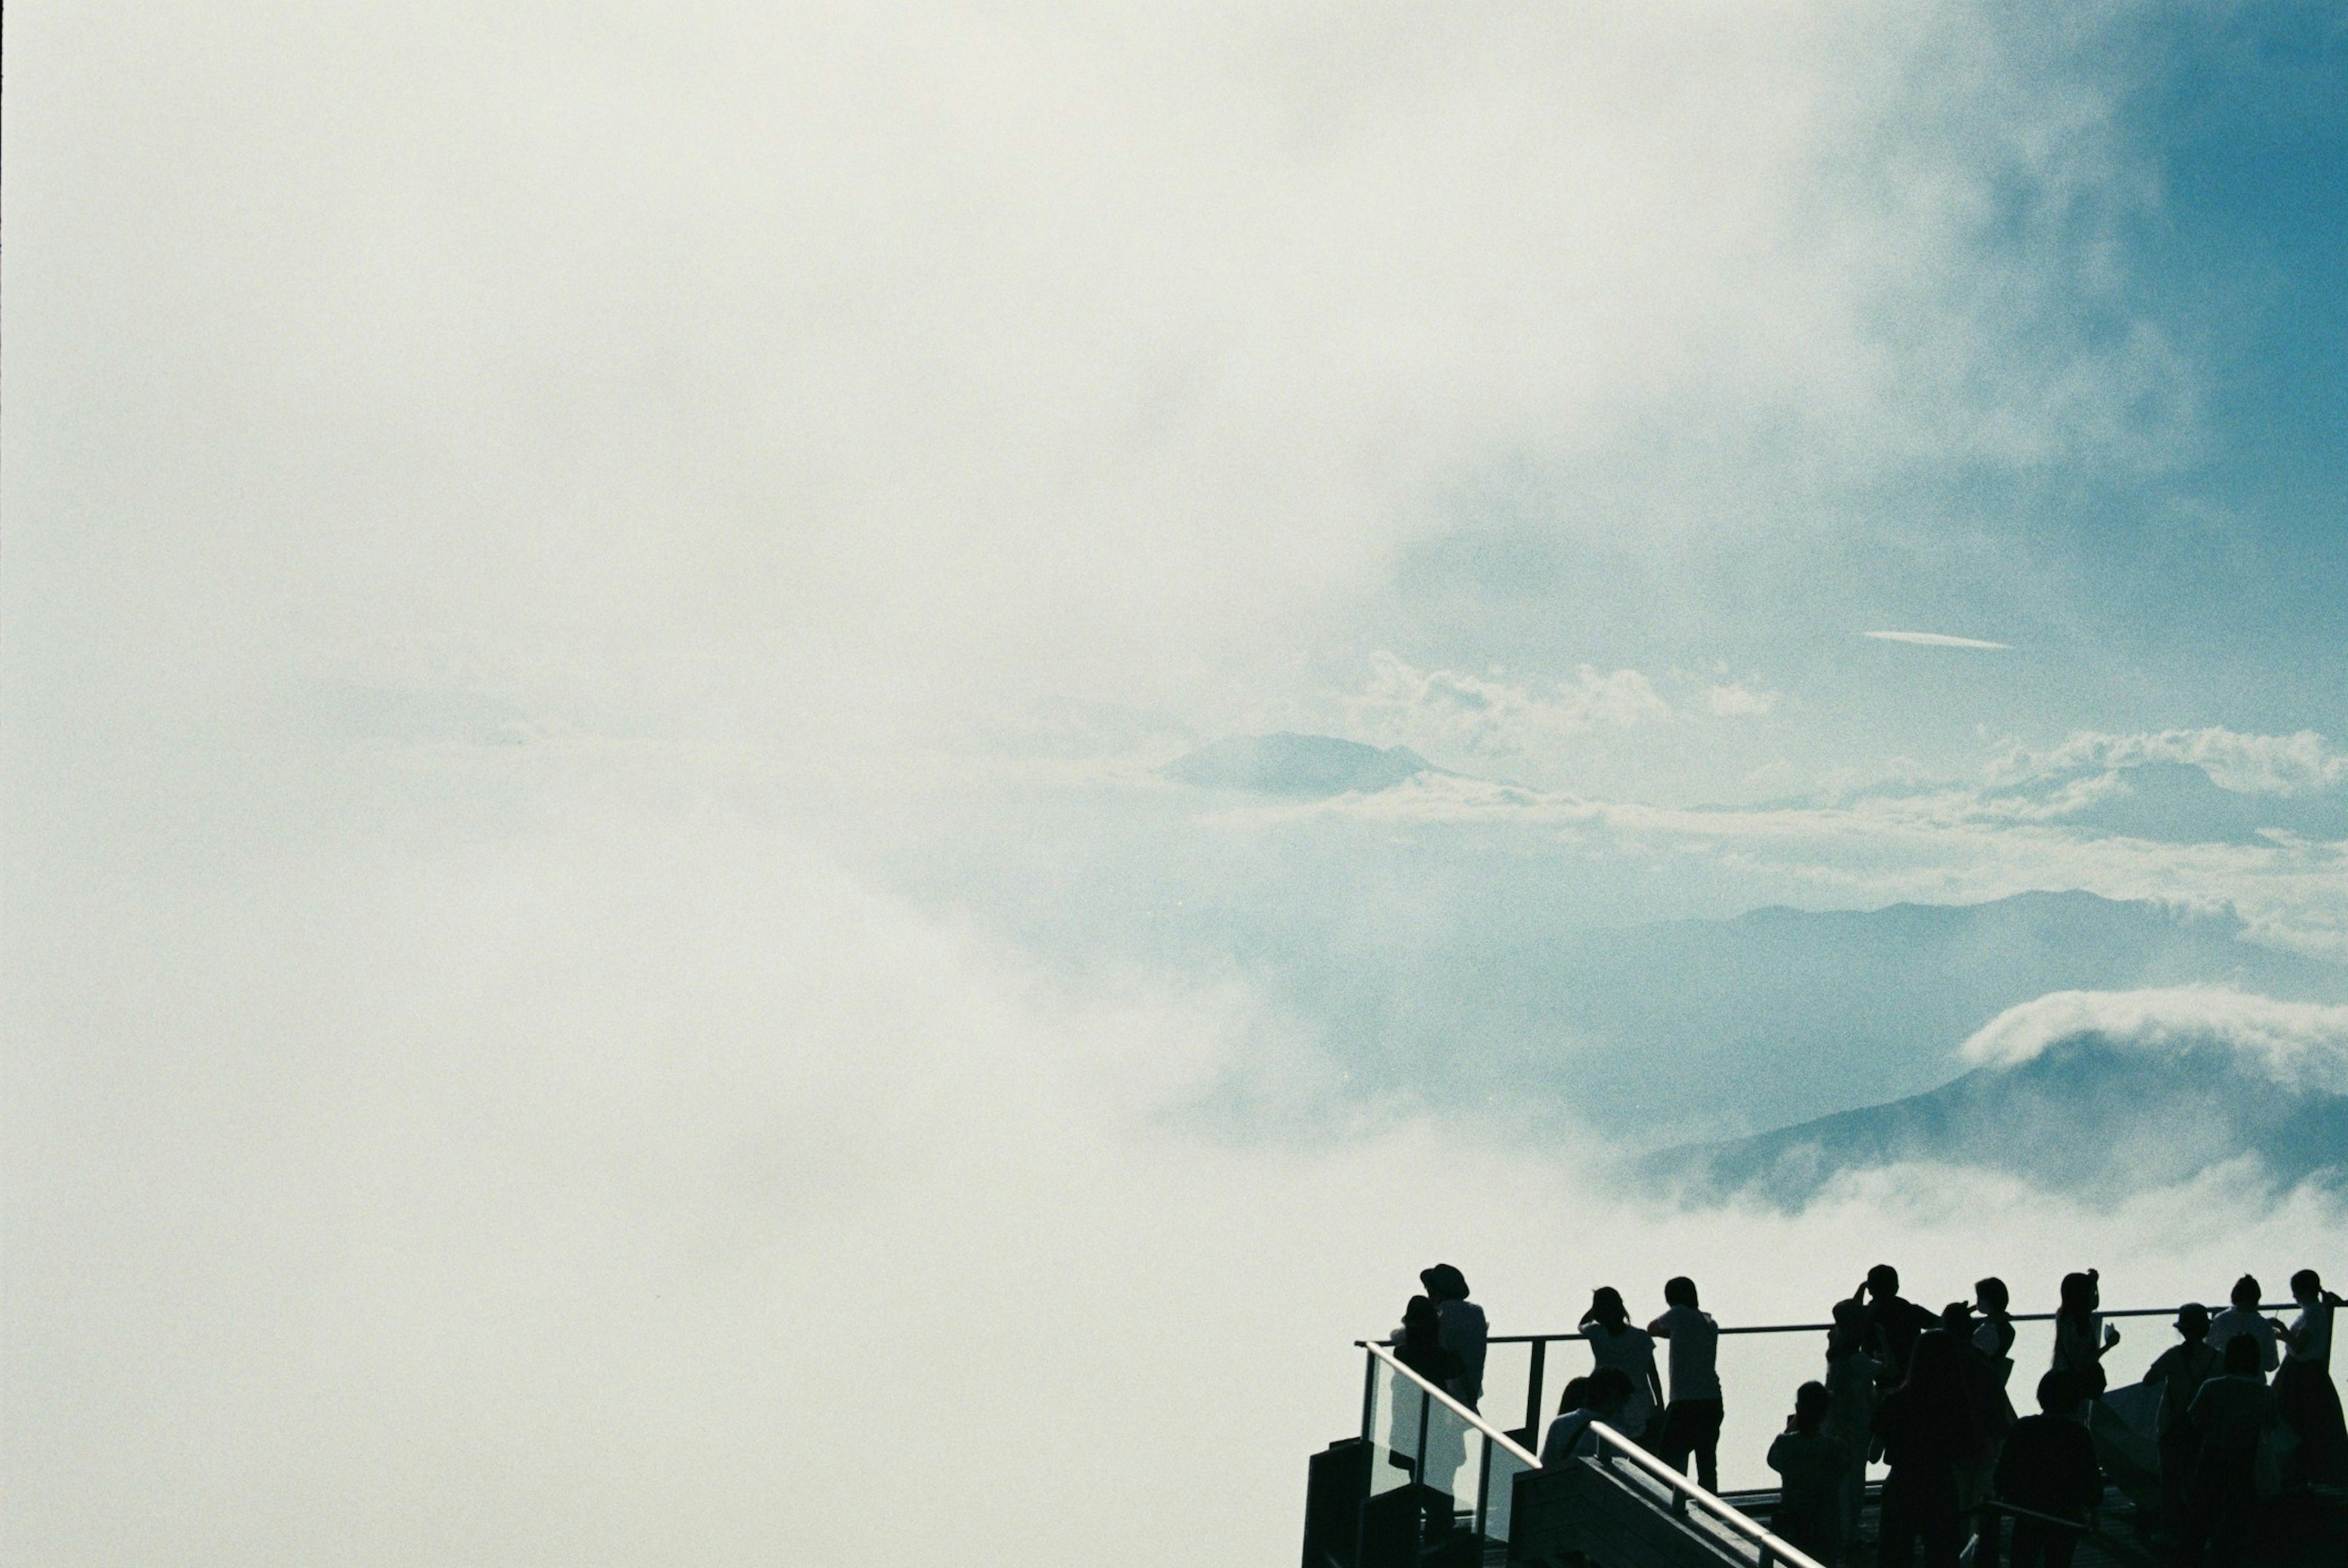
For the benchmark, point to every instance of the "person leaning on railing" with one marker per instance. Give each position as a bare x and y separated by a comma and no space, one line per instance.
2078,1349
2303,1387
1615,1342
1692,1420
1897,1319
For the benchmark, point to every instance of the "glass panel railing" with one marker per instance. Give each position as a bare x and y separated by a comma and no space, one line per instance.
1454,1462
1463,1471
1504,1466
1397,1408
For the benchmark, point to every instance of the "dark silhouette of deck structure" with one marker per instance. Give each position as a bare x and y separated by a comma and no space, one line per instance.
1428,1482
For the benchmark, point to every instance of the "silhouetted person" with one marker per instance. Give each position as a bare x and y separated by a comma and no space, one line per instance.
1419,1343
1464,1331
1692,1420
1927,1428
2231,1413
1810,1463
1898,1320
2242,1318
1991,1415
2179,1373
2303,1393
1602,1396
1994,1334
1615,1341
2048,1466
2080,1338
1856,1364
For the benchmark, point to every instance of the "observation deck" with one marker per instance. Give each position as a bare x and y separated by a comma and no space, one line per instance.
1428,1482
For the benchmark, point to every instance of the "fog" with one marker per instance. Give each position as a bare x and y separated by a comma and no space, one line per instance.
534,536
642,1184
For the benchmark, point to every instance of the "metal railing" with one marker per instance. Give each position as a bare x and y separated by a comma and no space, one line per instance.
1682,1494
1540,1343
1773,1549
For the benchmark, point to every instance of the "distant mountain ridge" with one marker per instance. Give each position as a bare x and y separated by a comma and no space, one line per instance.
1779,1015
2090,1115
2179,802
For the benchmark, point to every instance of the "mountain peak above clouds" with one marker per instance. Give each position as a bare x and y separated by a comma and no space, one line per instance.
2094,1095
1309,767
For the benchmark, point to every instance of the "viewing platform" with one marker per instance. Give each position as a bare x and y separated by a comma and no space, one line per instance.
1428,1482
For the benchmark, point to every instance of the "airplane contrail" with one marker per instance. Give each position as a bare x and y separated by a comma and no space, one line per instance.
1935,639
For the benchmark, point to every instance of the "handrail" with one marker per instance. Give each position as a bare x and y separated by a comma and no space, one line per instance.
1541,1342
1773,1547
1822,1327
1491,1433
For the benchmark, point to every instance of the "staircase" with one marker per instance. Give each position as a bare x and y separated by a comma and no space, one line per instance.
1431,1485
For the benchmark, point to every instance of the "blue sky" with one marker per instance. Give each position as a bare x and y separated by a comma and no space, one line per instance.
2176,558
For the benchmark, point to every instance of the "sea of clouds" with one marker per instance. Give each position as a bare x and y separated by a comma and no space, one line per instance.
643,1183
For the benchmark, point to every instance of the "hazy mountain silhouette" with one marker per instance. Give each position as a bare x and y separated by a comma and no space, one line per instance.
2176,803
1780,1014
1307,766
2089,1116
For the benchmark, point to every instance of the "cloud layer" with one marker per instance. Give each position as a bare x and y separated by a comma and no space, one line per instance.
2301,1045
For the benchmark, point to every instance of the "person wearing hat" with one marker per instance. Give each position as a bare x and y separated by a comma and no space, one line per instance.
2178,1372
1464,1331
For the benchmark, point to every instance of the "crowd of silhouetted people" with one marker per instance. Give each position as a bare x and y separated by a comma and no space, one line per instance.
2242,1407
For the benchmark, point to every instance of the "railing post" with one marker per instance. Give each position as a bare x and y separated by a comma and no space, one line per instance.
1483,1483
1425,1414
1369,1391
1533,1393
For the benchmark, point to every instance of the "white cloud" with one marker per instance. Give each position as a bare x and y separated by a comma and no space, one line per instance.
2299,1044
1935,640
2300,763
1739,700
1448,714
1943,845
868,367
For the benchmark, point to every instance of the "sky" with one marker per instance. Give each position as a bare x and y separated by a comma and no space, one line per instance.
598,960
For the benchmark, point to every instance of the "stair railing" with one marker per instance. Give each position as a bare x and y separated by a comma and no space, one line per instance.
1772,1549
1683,1494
